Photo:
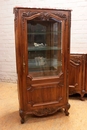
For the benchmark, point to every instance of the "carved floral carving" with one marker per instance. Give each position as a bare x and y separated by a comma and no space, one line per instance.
28,14
43,15
61,15
45,111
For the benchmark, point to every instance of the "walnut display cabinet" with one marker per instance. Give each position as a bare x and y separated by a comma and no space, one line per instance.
42,39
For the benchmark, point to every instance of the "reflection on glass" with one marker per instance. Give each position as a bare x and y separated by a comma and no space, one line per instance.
44,48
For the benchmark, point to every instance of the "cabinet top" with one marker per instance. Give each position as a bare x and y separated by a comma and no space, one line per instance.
17,7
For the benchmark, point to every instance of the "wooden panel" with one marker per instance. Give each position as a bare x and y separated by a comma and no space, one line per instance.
45,94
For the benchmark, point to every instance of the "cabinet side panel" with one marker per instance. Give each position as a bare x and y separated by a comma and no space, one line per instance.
18,56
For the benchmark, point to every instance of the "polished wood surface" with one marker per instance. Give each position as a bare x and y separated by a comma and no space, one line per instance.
43,95
77,79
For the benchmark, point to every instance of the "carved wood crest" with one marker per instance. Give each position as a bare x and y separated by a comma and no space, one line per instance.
43,16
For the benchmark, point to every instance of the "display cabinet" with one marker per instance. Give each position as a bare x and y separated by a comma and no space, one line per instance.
42,40
77,76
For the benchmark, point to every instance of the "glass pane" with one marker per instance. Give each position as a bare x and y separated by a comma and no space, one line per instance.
44,48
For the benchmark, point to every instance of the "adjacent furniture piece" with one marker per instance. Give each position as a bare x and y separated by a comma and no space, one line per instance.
42,40
78,74
85,77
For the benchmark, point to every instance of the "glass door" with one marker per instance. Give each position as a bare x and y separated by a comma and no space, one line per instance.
44,47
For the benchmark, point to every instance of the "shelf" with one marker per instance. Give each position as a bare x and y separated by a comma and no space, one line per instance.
43,48
46,63
45,33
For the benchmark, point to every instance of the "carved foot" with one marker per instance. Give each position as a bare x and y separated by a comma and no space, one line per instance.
82,95
82,99
22,121
66,112
66,109
22,116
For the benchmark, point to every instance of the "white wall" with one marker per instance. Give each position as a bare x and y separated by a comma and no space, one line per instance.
7,43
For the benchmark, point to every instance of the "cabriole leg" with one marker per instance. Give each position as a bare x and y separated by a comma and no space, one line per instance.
22,116
66,109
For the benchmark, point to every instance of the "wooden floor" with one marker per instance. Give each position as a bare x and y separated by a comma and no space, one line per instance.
10,120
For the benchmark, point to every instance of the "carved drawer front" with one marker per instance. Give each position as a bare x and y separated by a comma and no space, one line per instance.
44,94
